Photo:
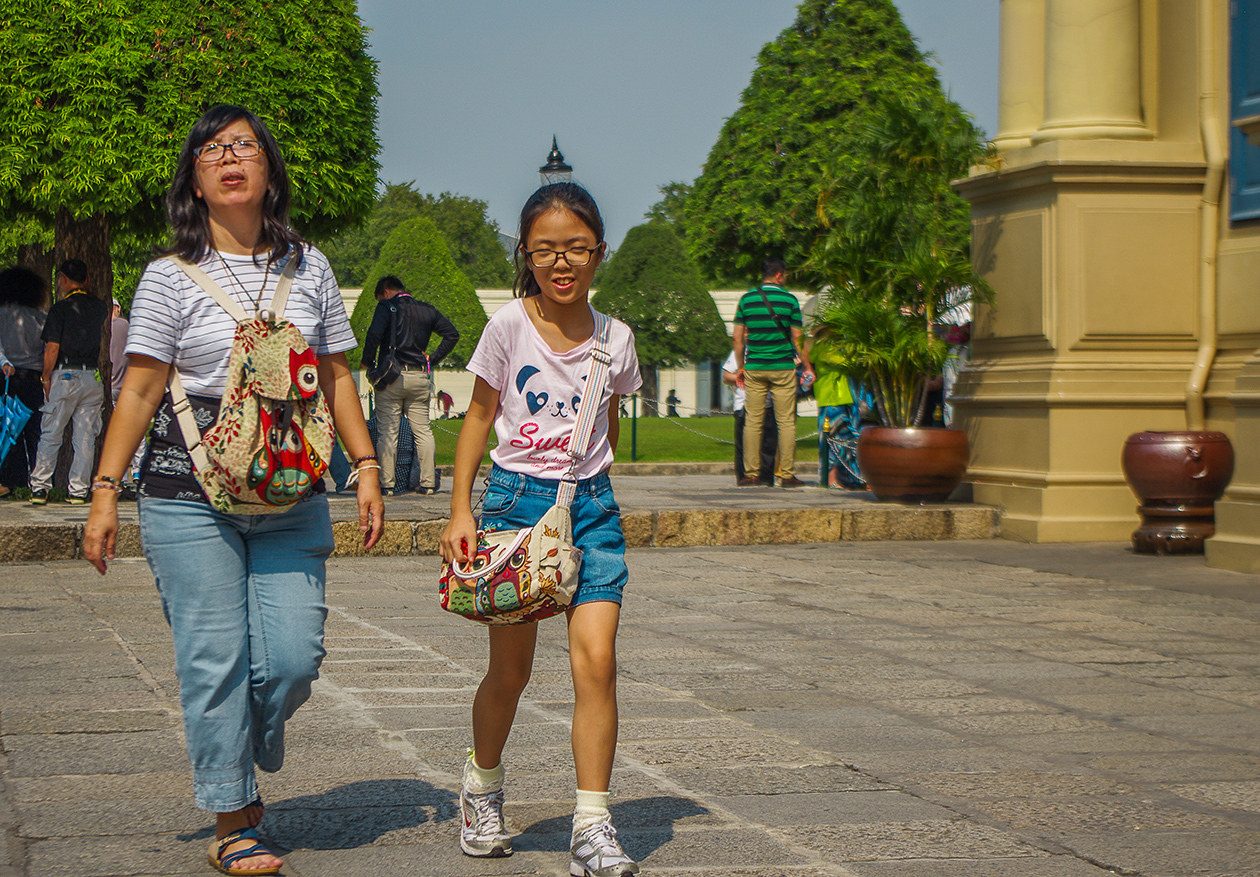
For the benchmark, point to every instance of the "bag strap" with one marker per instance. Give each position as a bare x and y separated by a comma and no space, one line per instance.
774,316
584,424
187,422
279,299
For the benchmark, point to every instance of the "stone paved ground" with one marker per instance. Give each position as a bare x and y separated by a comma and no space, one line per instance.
970,709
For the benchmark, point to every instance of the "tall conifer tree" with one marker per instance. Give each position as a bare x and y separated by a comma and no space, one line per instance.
758,194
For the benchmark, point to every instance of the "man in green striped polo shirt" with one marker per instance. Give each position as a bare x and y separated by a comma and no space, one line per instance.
768,347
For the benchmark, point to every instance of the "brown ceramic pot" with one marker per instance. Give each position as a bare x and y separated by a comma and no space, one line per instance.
912,465
1177,477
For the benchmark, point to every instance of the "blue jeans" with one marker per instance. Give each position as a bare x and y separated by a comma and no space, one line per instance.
244,595
513,501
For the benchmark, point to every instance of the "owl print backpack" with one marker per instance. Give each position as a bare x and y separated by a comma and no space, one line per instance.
273,438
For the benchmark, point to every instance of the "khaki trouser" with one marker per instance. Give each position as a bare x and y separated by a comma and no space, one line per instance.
780,384
408,395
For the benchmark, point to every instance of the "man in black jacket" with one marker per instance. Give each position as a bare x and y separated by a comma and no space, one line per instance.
401,329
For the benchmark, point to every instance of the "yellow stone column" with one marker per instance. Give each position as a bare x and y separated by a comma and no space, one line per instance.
1093,82
1022,83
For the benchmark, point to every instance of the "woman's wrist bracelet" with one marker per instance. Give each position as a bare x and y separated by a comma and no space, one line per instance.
364,459
105,484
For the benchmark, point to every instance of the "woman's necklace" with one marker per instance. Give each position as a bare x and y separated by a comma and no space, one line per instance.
241,286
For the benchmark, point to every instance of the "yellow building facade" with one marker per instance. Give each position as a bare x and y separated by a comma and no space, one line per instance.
1127,297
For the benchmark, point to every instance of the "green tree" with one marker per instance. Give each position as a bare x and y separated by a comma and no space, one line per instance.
672,206
757,195
96,98
654,288
473,238
416,253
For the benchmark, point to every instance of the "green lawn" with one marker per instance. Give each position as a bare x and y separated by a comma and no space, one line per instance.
656,439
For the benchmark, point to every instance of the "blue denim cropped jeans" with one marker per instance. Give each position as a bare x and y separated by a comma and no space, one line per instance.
244,595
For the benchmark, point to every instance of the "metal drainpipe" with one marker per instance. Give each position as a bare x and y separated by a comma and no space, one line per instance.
1209,218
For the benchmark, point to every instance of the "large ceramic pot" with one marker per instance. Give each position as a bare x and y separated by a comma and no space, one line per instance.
1177,477
912,465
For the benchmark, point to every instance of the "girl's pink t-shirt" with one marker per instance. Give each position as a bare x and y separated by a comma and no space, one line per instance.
540,391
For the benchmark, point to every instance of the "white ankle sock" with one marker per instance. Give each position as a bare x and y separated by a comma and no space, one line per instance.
481,781
591,809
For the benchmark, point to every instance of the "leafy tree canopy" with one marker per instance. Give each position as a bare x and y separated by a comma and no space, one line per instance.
672,206
473,239
96,98
757,195
416,253
654,288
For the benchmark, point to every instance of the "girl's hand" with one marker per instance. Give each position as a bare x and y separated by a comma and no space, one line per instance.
371,507
458,542
101,532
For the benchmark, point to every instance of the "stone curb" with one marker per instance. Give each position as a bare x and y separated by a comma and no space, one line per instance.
665,529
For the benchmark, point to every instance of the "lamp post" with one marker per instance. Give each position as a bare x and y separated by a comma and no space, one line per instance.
555,170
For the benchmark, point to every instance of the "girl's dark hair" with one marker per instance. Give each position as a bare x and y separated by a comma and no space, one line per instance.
188,215
22,286
571,197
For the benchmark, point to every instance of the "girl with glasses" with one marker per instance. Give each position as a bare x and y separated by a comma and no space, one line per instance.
530,367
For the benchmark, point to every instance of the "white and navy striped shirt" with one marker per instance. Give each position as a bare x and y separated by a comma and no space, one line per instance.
174,320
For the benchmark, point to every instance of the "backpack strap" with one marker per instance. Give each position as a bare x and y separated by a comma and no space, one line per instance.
187,422
211,289
279,300
584,424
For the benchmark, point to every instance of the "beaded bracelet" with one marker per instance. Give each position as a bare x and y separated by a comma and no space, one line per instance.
364,459
105,484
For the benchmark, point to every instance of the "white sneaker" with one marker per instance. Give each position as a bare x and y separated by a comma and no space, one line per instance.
596,853
483,833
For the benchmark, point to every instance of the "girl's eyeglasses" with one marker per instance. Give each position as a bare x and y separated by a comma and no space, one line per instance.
575,257
212,152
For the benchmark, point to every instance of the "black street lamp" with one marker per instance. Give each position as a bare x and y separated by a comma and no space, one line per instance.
555,170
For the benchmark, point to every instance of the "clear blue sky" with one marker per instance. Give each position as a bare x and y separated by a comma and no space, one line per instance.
635,91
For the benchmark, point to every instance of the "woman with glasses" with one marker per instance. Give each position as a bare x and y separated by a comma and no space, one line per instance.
244,594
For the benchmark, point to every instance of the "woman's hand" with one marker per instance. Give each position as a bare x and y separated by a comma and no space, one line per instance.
371,507
458,542
101,532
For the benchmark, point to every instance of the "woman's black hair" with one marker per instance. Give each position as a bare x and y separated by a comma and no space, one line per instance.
571,197
188,215
22,286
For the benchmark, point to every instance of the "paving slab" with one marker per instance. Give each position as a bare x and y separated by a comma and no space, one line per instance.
882,709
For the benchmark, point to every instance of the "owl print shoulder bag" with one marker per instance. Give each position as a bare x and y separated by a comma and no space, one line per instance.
273,438
517,576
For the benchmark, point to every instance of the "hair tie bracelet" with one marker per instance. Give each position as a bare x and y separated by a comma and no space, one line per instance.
354,474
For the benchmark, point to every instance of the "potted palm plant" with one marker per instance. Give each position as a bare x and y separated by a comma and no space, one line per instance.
897,253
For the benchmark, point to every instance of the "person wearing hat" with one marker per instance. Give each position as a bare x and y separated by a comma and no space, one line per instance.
72,385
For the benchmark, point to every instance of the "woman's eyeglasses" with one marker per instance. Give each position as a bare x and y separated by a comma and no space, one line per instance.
213,152
575,257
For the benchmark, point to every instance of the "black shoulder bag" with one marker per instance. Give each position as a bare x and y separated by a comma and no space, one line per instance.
386,370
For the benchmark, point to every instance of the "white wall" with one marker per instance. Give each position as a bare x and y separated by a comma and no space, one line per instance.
459,383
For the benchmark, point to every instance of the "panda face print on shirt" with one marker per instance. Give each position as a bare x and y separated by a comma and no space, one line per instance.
545,435
541,402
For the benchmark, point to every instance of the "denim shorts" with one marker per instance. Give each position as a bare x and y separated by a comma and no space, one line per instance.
512,501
